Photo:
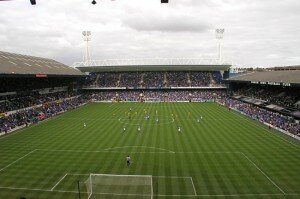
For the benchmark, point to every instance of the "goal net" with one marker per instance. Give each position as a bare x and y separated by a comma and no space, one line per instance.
101,185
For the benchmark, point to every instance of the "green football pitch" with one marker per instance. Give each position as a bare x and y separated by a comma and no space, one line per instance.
224,155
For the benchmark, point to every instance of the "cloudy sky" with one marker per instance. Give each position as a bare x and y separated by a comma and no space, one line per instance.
257,32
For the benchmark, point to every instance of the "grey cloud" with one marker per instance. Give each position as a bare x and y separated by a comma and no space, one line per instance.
257,32
166,24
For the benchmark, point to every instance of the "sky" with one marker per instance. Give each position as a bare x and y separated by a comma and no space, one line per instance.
258,33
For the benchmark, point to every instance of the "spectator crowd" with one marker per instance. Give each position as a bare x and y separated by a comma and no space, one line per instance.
276,119
169,95
15,102
155,79
39,112
286,97
40,107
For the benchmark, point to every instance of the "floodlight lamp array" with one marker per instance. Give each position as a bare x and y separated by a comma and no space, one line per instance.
86,33
219,33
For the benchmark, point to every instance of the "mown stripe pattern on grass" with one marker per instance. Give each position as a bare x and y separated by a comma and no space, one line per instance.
225,154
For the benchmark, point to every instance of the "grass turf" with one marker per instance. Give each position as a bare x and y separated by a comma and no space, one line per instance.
225,155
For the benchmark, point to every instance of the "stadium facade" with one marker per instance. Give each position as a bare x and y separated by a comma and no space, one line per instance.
155,79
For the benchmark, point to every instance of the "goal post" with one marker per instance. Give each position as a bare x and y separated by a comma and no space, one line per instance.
140,186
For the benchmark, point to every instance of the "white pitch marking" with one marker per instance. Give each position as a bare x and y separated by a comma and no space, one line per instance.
212,152
263,173
139,147
193,186
166,151
82,119
261,127
59,182
61,150
81,151
152,191
82,174
17,160
160,195
171,176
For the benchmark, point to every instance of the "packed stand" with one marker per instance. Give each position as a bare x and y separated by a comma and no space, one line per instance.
36,114
130,79
276,119
108,79
217,77
15,102
91,79
177,79
200,79
158,95
153,79
286,97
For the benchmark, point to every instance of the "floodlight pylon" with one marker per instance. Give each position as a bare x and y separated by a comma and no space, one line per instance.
219,37
87,36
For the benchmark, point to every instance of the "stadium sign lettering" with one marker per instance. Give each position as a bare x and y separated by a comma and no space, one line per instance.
286,84
273,83
40,75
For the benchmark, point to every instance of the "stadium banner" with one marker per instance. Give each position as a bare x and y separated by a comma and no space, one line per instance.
202,100
153,100
286,84
23,109
40,75
53,90
8,93
206,87
103,88
153,88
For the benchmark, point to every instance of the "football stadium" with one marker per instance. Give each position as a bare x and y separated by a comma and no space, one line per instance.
147,127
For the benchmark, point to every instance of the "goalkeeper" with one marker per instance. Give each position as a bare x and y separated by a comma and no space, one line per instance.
128,161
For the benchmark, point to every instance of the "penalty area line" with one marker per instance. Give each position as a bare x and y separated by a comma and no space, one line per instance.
148,147
58,182
263,173
166,151
103,151
193,186
183,177
18,160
